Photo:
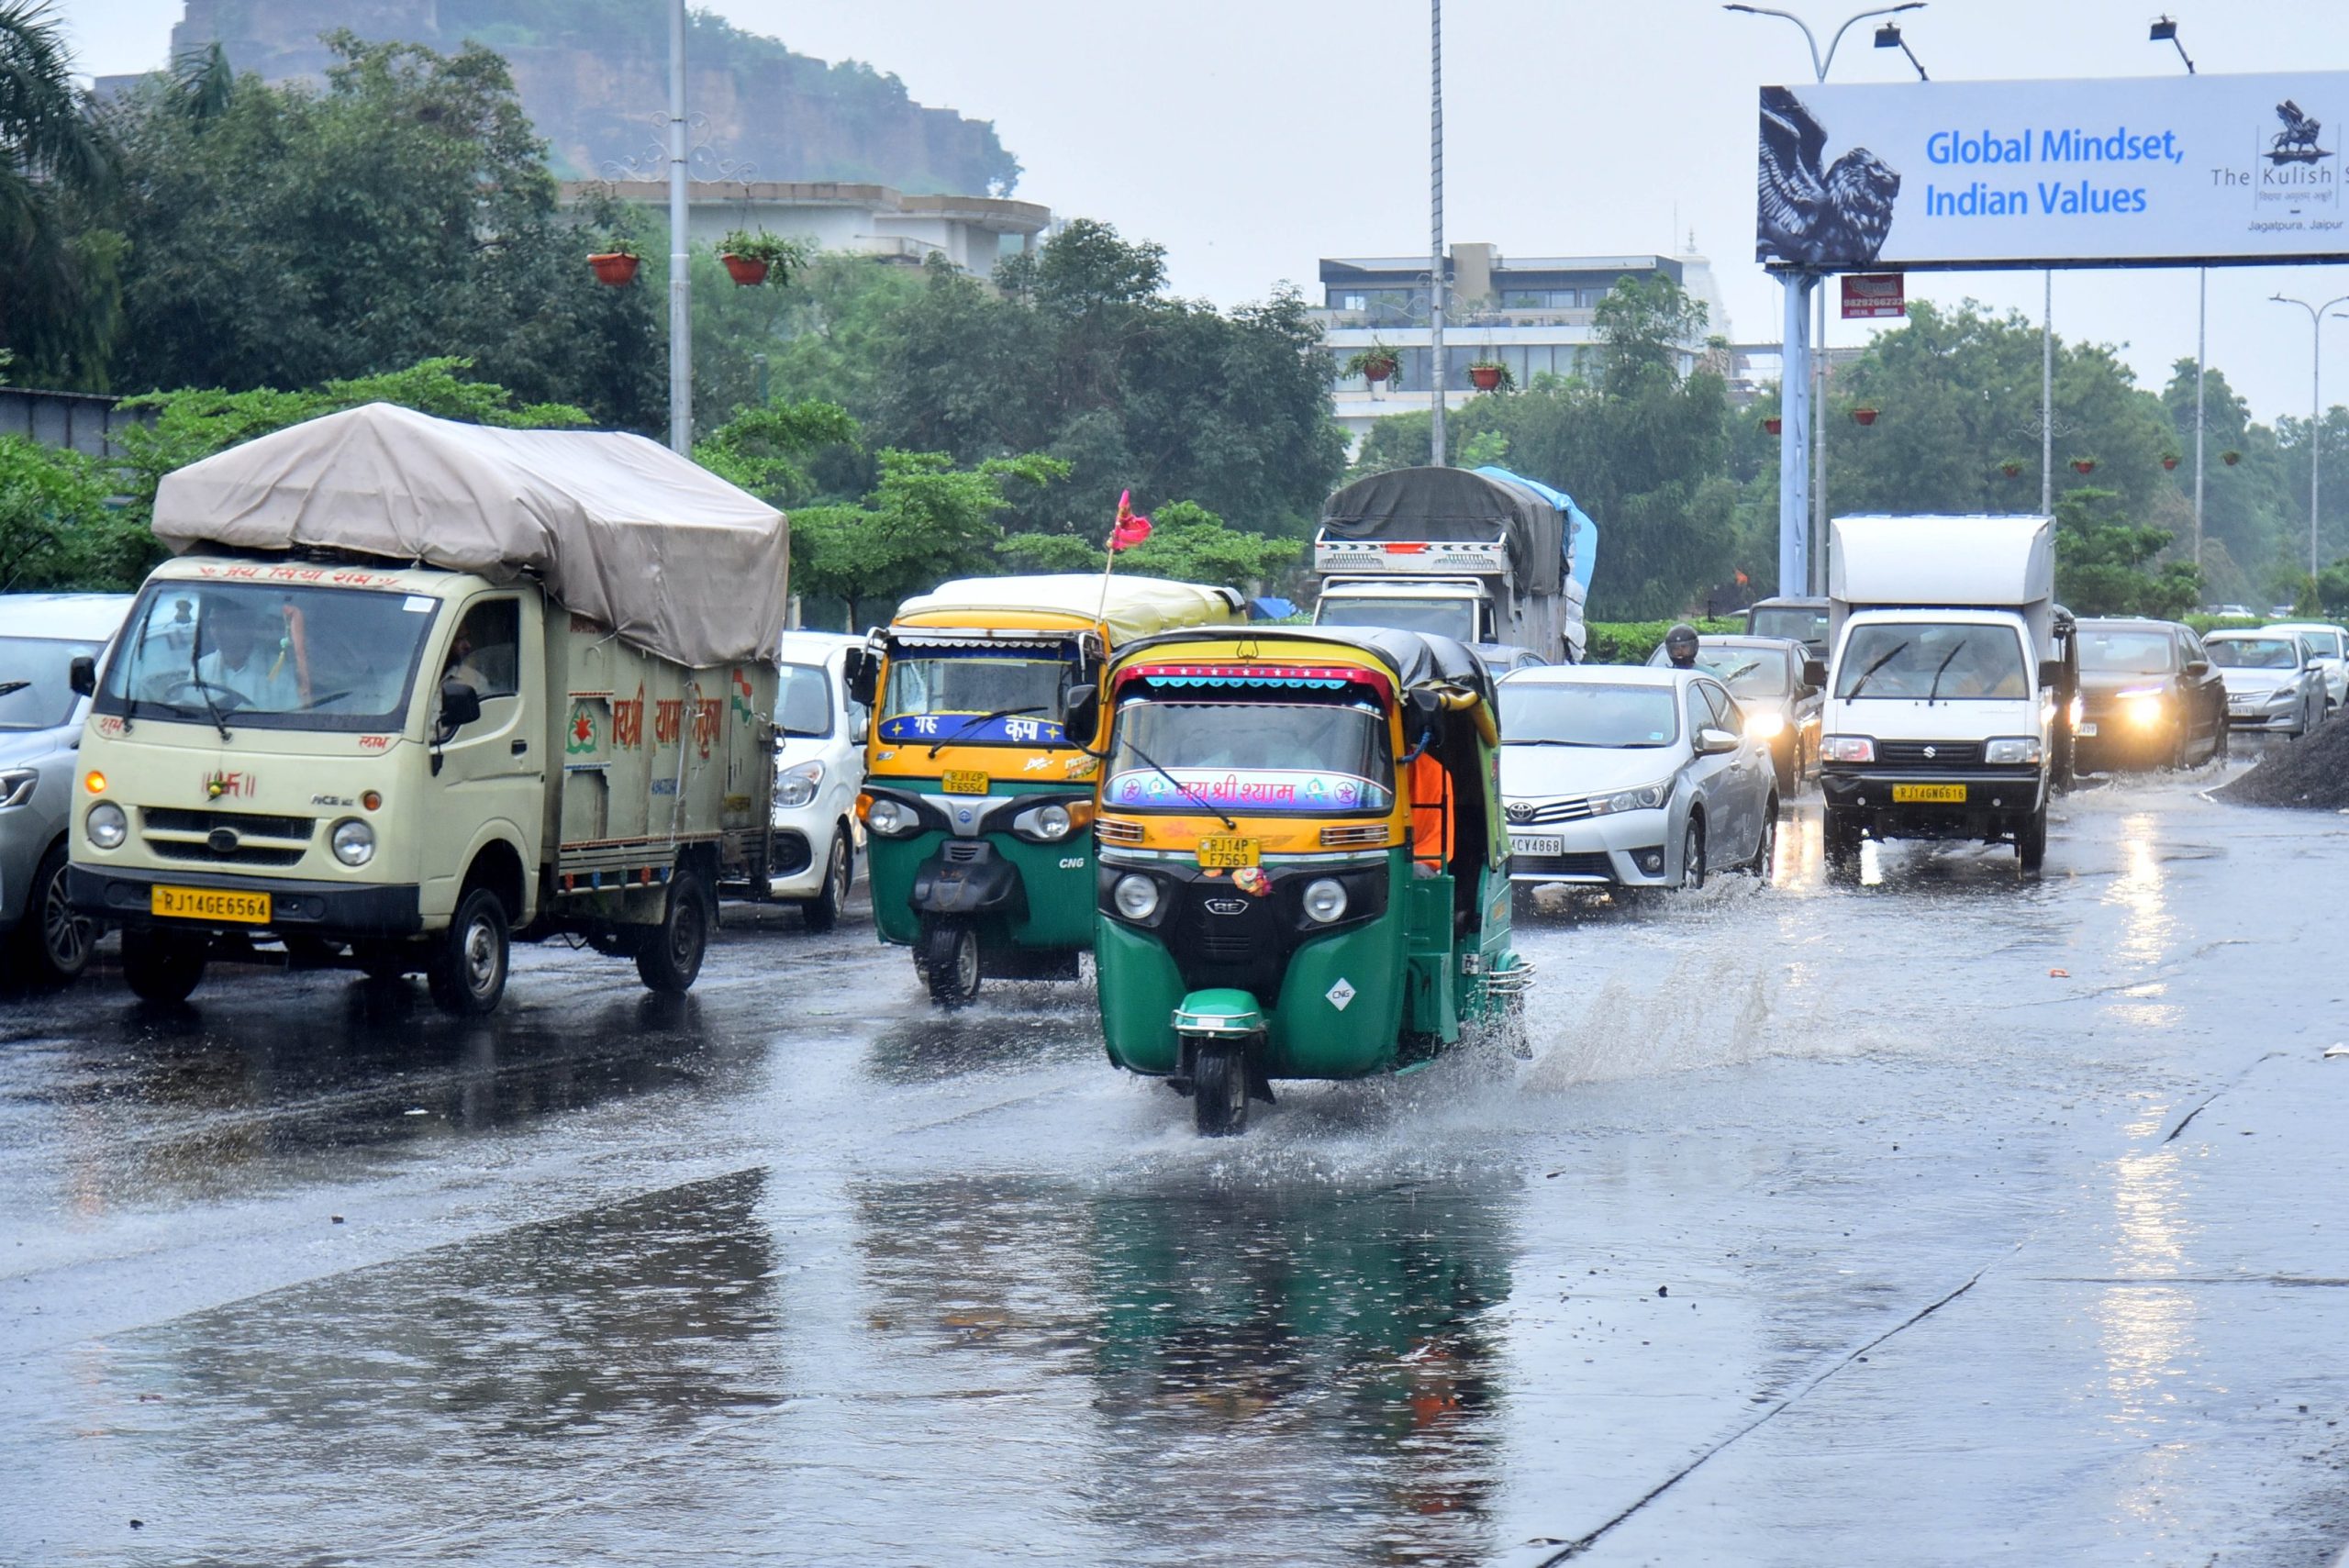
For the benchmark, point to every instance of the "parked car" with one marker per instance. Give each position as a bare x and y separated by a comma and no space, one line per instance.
42,940
1632,777
818,768
2330,643
2272,678
1765,674
2236,611
1802,619
2149,696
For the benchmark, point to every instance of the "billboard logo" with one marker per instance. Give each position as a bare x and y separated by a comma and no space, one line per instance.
1815,216
2297,143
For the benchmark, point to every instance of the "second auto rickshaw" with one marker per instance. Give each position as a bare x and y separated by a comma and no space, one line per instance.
1303,870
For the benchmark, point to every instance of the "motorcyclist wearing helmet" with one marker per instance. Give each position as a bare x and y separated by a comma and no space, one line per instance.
1680,646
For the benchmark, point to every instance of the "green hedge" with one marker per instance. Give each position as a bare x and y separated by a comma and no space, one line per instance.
1632,641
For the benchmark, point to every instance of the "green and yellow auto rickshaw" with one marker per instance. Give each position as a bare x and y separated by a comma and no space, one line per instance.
978,787
1303,867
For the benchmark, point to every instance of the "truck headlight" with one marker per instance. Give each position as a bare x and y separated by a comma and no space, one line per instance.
1647,797
1135,895
1053,823
108,825
797,784
1325,900
2011,751
17,786
890,818
354,841
1848,749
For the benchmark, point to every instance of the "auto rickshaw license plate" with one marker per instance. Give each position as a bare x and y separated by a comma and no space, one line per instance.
1221,852
1929,794
209,903
964,780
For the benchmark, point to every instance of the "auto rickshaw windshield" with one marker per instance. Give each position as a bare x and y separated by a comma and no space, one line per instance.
1325,758
989,700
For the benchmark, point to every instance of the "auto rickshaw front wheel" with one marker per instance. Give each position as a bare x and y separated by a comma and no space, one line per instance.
1218,1091
947,955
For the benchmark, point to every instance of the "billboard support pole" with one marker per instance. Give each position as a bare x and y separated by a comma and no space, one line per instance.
2047,394
1818,552
1794,437
2201,334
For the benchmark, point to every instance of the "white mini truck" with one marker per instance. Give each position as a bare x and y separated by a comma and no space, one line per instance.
415,689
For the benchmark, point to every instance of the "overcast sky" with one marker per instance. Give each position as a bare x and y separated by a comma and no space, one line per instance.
1254,137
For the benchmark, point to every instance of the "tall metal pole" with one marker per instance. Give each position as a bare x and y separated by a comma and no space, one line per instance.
1435,228
1794,434
2201,353
681,329
2047,396
2315,405
1819,460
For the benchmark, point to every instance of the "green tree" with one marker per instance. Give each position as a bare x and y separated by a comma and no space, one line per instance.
764,449
2104,564
285,237
1188,543
926,520
56,529
61,306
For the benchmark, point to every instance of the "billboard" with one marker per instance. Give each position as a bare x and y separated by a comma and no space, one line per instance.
2158,171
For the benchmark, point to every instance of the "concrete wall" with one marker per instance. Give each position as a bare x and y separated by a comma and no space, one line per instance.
75,419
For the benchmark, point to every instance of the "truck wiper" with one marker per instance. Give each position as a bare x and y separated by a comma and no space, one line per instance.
1869,673
196,678
1943,668
983,718
1192,796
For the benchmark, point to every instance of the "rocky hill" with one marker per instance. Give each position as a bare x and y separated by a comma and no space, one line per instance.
593,76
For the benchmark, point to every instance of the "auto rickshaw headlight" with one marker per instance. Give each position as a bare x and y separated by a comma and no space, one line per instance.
108,825
1326,900
1136,896
1053,823
892,820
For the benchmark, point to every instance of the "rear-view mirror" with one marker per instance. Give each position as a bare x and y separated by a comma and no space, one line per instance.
1081,712
1814,672
1712,742
2198,668
82,674
2051,673
459,706
863,673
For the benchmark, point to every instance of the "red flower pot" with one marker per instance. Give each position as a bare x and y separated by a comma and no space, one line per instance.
2231,459
2169,462
1484,378
1377,369
748,272
1864,416
615,267
2084,465
2010,469
1772,426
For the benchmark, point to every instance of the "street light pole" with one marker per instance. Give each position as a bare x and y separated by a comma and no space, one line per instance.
1435,233
2164,30
1802,564
2315,405
2047,395
681,328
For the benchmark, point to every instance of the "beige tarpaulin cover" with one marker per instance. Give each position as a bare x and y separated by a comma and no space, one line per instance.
619,529
1128,607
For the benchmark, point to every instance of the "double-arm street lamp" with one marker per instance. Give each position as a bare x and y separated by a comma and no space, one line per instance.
2316,403
2164,30
1802,459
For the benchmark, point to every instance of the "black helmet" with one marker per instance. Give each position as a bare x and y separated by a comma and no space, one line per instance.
1680,643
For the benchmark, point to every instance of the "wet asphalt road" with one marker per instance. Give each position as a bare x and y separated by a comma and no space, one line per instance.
1942,1219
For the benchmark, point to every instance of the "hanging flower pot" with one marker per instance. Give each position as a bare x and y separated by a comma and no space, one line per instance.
748,272
1864,416
1486,378
1773,425
1377,369
2084,465
1374,364
2231,457
2169,459
616,268
2010,469
756,257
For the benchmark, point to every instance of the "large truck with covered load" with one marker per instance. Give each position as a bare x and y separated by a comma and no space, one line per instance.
414,689
1478,555
1949,689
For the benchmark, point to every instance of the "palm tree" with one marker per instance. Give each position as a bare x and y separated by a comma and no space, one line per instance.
59,316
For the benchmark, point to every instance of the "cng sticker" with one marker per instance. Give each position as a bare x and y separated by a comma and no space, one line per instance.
1341,994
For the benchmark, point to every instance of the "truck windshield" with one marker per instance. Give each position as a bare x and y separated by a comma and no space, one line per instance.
1548,713
1455,619
1937,661
1318,759
976,699
269,655
34,671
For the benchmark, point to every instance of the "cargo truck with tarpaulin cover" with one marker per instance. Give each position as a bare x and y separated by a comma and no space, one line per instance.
412,689
1478,556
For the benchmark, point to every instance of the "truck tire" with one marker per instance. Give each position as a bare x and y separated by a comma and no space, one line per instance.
51,945
467,971
2030,842
670,958
163,966
822,912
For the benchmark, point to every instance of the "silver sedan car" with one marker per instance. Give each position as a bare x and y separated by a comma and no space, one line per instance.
2274,680
1622,776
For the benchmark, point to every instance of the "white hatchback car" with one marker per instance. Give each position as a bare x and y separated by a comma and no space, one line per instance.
1628,776
2330,643
819,768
